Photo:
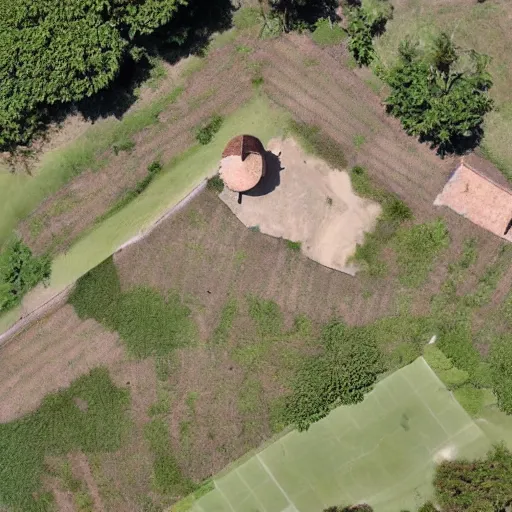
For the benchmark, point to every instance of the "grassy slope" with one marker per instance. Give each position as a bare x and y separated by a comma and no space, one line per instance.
20,193
175,181
481,26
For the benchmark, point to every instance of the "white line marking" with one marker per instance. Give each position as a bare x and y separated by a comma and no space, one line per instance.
224,496
264,509
272,477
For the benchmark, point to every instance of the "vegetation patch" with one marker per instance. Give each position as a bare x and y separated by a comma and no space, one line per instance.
294,246
501,372
417,248
167,476
318,143
327,33
58,427
148,324
20,271
266,315
227,316
394,212
247,17
205,133
342,375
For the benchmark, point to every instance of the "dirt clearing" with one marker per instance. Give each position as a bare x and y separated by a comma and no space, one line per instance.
308,202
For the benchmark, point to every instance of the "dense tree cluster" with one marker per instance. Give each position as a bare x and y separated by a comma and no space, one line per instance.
54,52
19,272
440,96
341,375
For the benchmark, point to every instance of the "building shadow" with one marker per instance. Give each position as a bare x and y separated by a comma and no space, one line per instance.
272,178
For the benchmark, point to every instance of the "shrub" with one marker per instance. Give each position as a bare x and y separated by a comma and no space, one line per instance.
154,167
427,507
453,377
416,249
476,486
346,370
293,246
216,184
501,372
327,33
436,359
205,134
125,145
20,271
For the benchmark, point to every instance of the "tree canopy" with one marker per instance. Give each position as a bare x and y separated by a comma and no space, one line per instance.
53,52
440,96
476,486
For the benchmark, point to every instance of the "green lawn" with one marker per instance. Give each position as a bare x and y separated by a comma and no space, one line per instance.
21,193
380,451
175,181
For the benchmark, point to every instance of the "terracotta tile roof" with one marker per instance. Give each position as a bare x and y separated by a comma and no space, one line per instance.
479,199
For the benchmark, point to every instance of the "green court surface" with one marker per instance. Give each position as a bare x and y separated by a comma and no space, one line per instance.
381,452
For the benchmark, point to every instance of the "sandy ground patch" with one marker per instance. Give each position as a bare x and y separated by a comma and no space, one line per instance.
447,453
309,202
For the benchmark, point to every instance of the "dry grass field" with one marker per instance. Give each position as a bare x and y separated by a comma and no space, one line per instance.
256,306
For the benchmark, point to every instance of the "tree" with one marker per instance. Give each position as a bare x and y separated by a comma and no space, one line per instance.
342,375
440,97
476,486
19,272
364,23
53,52
501,372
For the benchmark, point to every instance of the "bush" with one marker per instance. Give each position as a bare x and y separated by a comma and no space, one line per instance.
293,246
216,184
501,372
327,33
342,375
436,359
416,249
19,272
205,134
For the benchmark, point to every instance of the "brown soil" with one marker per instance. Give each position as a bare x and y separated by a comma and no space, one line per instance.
49,356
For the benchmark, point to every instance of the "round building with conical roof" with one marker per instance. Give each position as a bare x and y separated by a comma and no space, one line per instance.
243,163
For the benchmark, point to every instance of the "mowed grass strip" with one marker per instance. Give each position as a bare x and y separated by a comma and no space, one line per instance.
381,451
91,416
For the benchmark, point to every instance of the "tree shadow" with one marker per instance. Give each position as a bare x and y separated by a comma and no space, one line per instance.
272,178
188,33
457,146
314,10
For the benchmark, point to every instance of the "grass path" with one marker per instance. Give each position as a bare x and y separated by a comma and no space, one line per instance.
177,179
